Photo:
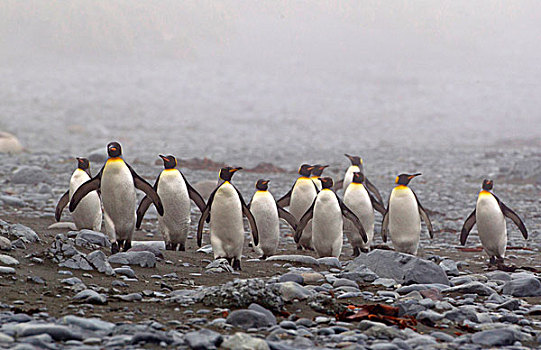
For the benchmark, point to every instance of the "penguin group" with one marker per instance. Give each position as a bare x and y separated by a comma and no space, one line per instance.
318,217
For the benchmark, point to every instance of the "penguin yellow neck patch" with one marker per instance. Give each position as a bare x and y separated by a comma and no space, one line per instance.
485,193
401,187
114,159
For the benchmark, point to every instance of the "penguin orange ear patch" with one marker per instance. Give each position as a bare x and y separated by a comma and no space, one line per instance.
396,180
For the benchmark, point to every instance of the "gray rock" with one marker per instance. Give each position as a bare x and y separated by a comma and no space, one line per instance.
472,287
125,271
5,244
379,330
429,316
8,260
91,324
30,175
360,273
4,270
292,277
77,262
340,282
207,249
291,290
92,237
218,265
12,201
386,282
9,143
71,281
63,225
6,339
89,296
494,337
147,248
419,287
203,339
404,268
270,317
248,319
243,341
24,232
143,259
299,259
498,276
450,267
129,297
98,259
460,314
330,261
57,332
151,338
160,245
98,155
523,287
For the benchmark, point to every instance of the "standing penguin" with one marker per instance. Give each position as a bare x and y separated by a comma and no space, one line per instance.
362,204
327,227
489,214
267,214
403,217
88,213
175,193
226,207
357,166
316,174
299,198
117,182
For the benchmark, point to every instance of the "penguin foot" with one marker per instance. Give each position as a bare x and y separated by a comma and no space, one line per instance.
236,264
250,244
120,244
181,247
356,252
365,250
127,245
229,261
115,248
299,247
169,246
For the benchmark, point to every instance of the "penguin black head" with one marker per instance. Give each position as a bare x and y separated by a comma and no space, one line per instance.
404,179
114,149
169,161
358,177
488,184
83,163
305,170
262,185
227,173
318,169
326,182
355,160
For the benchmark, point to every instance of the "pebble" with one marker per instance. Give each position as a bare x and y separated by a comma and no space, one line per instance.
91,297
6,270
8,260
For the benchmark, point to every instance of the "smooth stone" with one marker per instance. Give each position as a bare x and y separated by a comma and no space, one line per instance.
9,143
5,244
450,267
12,201
8,260
403,268
288,325
143,259
6,339
63,225
330,261
247,319
57,332
340,282
150,338
429,315
129,297
291,290
386,282
71,281
30,175
292,277
243,341
312,277
498,276
444,337
270,316
523,287
301,259
4,270
90,296
125,271
472,287
494,337
91,324
147,248
24,232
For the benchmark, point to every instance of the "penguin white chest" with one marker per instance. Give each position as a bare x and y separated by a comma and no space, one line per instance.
327,224
357,199
88,212
303,195
404,220
263,208
348,177
176,205
118,194
226,223
491,225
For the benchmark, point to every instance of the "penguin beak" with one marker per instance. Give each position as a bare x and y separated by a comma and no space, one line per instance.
164,157
266,182
323,167
233,170
414,175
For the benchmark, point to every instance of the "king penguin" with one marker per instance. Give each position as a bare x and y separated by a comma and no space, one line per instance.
88,213
299,198
362,204
226,207
489,214
316,174
357,166
403,217
327,227
267,214
117,182
175,193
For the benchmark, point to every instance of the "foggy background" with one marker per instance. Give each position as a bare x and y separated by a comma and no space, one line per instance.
270,81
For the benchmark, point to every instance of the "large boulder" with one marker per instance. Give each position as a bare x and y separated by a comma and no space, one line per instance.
403,268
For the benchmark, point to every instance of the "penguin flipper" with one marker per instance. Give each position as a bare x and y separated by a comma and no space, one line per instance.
385,226
514,217
286,199
348,214
141,210
251,220
304,221
338,185
466,228
424,216
372,188
143,185
377,205
205,215
64,200
91,185
287,216
194,195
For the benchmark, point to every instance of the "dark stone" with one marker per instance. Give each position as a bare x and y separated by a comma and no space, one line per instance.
203,339
523,287
248,319
494,337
